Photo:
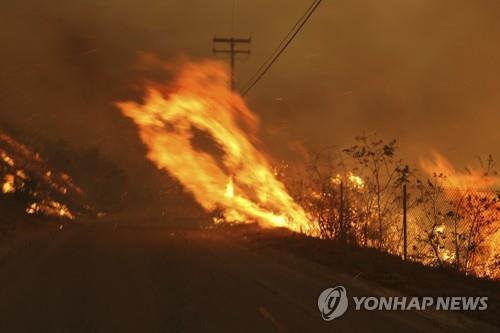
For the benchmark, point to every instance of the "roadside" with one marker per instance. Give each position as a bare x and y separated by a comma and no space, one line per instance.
113,276
390,273
17,235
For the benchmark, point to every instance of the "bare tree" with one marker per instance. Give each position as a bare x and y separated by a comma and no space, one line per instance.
458,223
380,171
432,221
477,217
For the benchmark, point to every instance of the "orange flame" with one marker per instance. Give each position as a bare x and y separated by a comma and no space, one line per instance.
8,186
241,183
475,183
472,178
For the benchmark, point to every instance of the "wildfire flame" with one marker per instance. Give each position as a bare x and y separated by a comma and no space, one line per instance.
474,184
452,178
230,189
241,182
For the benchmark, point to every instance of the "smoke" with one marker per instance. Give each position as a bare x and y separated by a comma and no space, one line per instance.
423,71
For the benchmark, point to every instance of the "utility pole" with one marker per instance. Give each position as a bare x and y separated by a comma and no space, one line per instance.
233,51
341,214
405,232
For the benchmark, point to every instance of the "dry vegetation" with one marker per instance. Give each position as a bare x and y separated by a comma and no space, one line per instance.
356,197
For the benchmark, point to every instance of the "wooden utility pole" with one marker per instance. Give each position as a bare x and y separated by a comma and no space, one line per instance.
341,213
405,243
233,51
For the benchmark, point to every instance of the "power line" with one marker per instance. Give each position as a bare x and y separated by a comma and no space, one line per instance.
276,50
281,47
277,54
232,17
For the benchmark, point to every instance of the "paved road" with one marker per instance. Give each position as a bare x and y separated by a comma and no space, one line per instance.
151,279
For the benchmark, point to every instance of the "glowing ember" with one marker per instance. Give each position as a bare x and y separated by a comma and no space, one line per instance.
21,174
337,179
356,181
7,159
199,100
50,208
8,184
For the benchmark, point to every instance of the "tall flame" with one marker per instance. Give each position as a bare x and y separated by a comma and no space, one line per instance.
240,182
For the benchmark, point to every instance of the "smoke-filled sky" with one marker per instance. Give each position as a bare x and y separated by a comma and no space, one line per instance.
423,71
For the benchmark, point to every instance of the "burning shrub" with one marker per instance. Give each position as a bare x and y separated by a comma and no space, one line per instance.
383,174
30,186
458,219
450,224
352,201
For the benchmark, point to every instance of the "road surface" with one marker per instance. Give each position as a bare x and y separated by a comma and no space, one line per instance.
115,278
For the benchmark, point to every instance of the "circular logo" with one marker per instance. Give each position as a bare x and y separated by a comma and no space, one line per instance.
332,303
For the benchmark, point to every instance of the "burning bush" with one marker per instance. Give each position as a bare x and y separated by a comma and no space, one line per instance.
457,216
28,183
450,223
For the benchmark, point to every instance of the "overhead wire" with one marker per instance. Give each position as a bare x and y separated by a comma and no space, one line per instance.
284,43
